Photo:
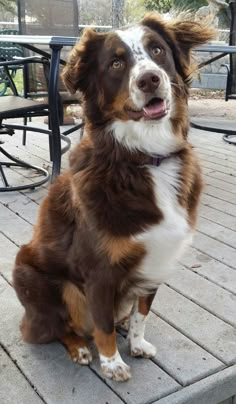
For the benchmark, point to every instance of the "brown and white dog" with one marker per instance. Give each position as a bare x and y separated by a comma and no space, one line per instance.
111,228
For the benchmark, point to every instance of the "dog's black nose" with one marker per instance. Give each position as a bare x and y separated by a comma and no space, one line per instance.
148,82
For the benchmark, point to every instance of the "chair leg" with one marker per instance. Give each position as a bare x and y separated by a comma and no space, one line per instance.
15,162
54,113
55,149
50,141
5,182
51,148
24,132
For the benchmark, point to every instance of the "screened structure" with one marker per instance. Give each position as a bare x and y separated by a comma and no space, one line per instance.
48,17
231,79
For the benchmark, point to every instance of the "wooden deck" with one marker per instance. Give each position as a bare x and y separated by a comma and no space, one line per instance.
193,319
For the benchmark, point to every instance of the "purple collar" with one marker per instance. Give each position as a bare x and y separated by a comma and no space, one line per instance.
156,159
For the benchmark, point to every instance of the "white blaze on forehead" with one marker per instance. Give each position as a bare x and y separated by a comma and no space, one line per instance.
132,37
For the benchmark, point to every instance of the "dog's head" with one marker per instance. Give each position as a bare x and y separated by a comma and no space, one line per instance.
136,74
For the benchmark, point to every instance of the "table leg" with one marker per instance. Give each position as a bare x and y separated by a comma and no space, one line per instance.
229,134
53,99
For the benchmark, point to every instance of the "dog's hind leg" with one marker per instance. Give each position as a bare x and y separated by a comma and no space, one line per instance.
138,345
78,348
45,317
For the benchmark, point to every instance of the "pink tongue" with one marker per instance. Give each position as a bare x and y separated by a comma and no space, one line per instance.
155,110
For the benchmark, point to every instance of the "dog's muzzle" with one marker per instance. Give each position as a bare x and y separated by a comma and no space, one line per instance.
149,92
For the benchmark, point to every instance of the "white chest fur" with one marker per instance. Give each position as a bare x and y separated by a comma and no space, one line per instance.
164,242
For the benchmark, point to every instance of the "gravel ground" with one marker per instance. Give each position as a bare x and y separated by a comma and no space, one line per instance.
208,107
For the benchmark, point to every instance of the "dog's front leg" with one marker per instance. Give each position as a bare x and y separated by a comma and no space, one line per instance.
102,307
138,345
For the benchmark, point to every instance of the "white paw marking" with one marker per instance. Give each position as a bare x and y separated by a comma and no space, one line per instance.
142,348
115,368
83,356
138,345
124,325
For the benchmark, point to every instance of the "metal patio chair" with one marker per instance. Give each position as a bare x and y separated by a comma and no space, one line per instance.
16,106
230,92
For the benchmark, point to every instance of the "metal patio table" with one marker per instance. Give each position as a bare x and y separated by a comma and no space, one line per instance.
222,50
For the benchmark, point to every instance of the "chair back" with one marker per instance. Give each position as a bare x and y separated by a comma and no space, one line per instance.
231,85
46,17
9,50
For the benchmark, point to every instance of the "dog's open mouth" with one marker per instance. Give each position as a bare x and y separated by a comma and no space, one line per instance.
156,108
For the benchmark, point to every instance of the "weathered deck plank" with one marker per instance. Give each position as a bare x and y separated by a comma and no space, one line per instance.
210,152
221,162
219,193
8,252
184,360
217,231
218,168
219,204
215,249
210,390
14,227
220,184
208,295
21,205
14,388
228,178
215,216
211,269
205,329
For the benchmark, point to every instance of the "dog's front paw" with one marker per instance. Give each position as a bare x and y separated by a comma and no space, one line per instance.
115,368
81,355
142,348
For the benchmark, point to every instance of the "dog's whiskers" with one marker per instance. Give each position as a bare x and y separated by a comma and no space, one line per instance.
179,87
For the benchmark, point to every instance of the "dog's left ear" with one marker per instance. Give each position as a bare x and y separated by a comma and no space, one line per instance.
190,34
182,34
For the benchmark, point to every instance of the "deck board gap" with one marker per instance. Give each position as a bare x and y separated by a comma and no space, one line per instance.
22,373
107,385
219,224
202,306
189,336
217,239
214,258
217,197
208,279
12,241
218,210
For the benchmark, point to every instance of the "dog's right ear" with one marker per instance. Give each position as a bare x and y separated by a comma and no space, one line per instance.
76,73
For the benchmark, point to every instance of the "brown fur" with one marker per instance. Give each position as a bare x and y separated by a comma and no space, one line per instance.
144,303
82,262
106,343
81,320
73,343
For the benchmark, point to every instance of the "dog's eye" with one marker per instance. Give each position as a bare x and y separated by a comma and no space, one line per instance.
156,51
117,64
